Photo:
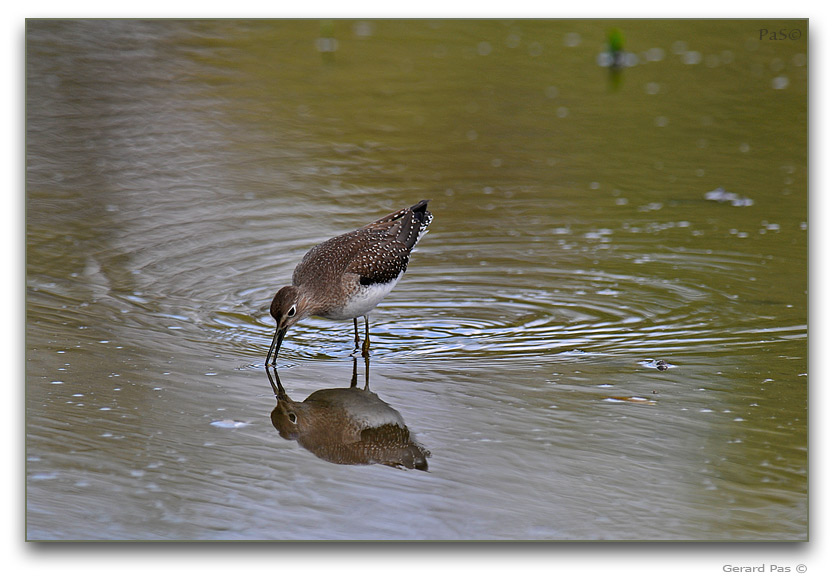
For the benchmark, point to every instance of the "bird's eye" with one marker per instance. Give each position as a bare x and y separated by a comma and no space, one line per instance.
293,418
291,311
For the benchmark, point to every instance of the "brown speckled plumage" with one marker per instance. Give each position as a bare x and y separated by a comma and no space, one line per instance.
347,276
349,426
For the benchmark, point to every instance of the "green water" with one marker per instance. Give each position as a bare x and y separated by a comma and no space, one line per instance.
177,171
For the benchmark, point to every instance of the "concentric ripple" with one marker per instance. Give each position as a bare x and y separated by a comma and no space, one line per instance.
498,297
470,312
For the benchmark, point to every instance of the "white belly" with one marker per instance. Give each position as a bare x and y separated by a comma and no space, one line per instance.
364,301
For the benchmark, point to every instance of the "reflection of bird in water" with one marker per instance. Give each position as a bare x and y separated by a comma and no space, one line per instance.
349,426
347,276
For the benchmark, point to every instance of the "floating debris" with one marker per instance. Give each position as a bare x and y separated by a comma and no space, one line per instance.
615,57
640,400
228,424
660,365
721,195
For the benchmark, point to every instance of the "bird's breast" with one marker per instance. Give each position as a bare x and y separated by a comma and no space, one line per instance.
361,300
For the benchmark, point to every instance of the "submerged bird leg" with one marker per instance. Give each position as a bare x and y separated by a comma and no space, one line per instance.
356,332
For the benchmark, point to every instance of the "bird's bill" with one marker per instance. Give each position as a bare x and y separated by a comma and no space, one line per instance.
276,345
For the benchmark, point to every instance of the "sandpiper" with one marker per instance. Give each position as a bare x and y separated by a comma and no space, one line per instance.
349,426
347,276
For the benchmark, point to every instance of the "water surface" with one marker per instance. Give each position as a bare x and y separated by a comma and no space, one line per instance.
584,230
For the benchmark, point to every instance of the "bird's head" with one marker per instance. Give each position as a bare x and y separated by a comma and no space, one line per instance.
287,308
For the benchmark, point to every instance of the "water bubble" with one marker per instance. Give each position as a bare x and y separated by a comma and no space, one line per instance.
653,206
655,54
721,195
691,57
605,59
484,48
324,44
363,28
535,49
779,83
572,39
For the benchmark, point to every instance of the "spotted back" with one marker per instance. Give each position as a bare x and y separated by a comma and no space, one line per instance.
378,252
406,225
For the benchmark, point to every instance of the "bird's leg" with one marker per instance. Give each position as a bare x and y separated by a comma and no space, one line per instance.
356,332
353,378
367,371
366,345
